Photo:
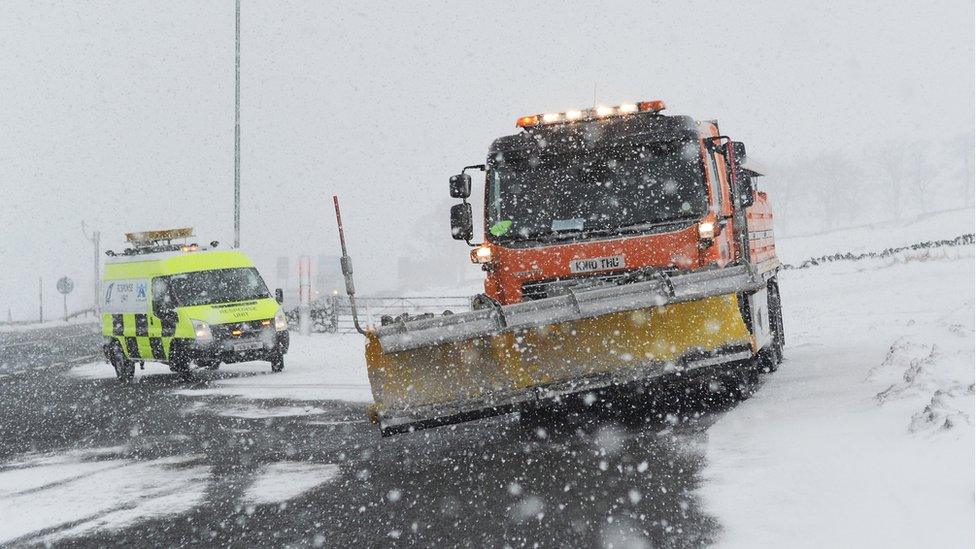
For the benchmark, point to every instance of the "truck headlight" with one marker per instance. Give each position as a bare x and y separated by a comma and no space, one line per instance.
280,321
201,330
481,254
706,230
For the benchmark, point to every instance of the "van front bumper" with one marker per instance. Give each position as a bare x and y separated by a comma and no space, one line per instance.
264,346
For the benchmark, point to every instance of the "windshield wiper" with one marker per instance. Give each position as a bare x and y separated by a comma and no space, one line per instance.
664,222
594,231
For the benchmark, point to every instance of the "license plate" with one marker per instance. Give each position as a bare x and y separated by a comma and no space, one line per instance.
249,346
597,264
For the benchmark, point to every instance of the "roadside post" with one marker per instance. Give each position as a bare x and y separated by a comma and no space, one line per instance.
304,295
65,285
95,239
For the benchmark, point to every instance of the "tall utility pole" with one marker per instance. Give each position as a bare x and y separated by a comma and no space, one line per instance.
237,125
40,298
95,239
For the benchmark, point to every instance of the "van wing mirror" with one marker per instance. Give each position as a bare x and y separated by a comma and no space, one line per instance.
279,295
462,223
460,185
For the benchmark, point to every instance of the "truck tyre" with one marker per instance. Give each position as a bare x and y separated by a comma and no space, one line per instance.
771,357
277,362
776,310
124,368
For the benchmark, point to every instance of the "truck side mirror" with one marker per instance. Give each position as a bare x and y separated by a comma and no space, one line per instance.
738,152
460,185
279,295
746,190
462,224
743,180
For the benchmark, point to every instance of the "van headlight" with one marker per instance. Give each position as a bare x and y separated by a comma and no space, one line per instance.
281,321
201,330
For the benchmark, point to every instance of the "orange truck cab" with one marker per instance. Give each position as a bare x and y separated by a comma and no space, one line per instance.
622,248
610,194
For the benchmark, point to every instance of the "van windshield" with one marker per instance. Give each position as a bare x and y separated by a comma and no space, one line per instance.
217,286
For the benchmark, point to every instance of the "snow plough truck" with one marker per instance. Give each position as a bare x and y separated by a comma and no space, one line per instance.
621,246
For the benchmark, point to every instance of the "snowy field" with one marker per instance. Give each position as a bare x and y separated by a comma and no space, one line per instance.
877,236
864,437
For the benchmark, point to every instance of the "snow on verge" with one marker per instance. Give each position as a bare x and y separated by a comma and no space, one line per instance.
278,482
864,437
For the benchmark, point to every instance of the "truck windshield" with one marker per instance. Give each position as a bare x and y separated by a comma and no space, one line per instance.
532,196
217,286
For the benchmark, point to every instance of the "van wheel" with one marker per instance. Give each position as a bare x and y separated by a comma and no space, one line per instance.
124,368
209,364
181,367
277,362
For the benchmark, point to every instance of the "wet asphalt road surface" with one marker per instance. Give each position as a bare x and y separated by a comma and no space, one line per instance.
585,476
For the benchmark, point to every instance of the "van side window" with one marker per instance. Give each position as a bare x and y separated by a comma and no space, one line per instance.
162,297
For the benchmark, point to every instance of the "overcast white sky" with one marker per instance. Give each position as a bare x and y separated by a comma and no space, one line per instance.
120,114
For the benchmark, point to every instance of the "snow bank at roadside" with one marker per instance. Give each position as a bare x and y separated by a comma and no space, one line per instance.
864,437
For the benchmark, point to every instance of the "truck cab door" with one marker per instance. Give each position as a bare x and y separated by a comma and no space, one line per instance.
720,202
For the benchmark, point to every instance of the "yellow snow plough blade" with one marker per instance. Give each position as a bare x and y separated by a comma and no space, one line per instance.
457,380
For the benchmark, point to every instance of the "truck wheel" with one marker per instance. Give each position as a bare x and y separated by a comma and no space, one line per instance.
776,311
771,357
277,362
124,368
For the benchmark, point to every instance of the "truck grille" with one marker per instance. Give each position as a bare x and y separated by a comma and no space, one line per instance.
541,289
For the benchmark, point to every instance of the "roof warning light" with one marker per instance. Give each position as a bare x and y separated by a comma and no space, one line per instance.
596,113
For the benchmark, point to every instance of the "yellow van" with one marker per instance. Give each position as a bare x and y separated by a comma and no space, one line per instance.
179,304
